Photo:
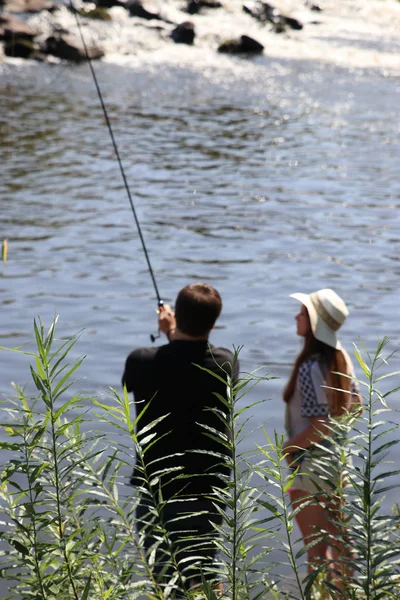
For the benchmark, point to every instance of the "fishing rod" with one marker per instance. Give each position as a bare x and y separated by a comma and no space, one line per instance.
103,106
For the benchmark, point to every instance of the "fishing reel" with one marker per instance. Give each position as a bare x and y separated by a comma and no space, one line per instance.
155,337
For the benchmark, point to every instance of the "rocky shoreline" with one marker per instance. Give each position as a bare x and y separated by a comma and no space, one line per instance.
20,39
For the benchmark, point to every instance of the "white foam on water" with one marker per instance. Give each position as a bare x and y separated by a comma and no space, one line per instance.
348,33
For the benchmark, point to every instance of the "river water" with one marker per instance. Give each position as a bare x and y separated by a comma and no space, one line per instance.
263,177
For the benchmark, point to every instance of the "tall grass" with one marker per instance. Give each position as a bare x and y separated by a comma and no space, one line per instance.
69,529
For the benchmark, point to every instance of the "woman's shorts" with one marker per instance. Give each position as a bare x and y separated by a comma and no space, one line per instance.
321,471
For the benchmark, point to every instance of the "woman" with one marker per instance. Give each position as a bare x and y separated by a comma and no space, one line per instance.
320,387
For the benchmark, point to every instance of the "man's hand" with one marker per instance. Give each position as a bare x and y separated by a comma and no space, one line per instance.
166,320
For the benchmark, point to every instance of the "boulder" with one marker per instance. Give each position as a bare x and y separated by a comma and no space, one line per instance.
291,22
136,9
262,11
266,13
184,33
243,45
194,6
61,30
20,48
27,6
98,13
69,47
12,28
109,3
315,7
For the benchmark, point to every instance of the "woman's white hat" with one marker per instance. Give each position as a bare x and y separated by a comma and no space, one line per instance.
327,313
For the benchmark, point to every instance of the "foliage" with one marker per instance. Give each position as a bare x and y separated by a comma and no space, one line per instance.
374,535
70,527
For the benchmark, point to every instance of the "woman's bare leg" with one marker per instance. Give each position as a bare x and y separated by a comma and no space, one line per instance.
311,520
323,514
341,546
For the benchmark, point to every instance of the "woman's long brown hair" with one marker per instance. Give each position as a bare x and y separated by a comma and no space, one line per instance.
335,361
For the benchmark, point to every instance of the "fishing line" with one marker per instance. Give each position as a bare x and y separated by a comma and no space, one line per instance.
103,106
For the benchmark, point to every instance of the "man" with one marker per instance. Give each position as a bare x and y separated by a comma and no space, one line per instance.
170,381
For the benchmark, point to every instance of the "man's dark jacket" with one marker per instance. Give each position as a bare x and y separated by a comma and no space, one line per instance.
169,379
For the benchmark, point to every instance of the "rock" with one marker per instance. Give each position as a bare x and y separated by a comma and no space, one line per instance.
61,30
69,47
20,48
262,11
184,33
194,6
40,57
109,3
27,6
292,23
98,13
244,45
229,47
12,28
136,9
266,13
279,26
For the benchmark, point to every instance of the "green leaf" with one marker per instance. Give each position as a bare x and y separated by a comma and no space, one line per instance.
86,590
40,386
67,376
218,377
64,349
38,470
239,412
39,342
361,362
19,547
387,375
50,334
66,406
385,446
127,409
39,368
38,435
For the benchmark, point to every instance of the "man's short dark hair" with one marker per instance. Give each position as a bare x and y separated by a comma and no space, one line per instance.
197,307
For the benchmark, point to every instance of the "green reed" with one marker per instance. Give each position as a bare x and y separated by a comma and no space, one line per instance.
374,533
69,529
